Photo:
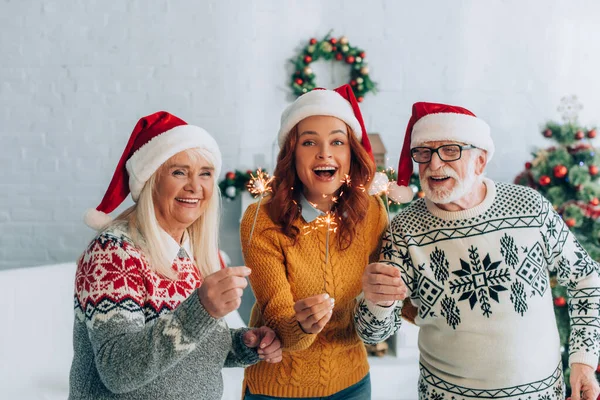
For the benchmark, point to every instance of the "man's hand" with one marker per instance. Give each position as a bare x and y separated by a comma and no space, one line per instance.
314,312
583,380
221,292
269,346
382,284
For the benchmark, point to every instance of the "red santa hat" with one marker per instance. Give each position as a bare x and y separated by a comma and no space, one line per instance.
339,103
439,122
155,139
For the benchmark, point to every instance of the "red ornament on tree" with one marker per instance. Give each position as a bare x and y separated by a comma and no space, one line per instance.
352,82
592,134
560,302
560,171
593,170
594,201
307,59
598,368
363,54
359,99
544,180
570,222
230,175
312,41
528,165
350,59
339,56
579,135
299,81
333,40
249,172
548,133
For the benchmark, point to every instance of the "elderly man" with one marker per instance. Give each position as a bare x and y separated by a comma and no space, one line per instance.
474,257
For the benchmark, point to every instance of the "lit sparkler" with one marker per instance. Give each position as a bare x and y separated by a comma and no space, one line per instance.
259,186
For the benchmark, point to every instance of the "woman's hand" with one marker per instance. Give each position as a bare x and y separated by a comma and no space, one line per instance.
314,312
269,346
221,292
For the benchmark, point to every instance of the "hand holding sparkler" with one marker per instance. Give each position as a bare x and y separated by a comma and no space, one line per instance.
382,284
259,186
314,312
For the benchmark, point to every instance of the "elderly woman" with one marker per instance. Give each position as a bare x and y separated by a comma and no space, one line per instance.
306,271
150,291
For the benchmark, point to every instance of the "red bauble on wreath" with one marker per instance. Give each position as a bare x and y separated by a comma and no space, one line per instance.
331,49
592,134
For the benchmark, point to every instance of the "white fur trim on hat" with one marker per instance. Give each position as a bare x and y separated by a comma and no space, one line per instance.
317,102
148,158
454,127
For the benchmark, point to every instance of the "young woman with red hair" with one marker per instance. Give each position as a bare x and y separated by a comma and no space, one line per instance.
308,247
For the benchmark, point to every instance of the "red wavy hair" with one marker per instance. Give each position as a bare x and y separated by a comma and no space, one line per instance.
287,188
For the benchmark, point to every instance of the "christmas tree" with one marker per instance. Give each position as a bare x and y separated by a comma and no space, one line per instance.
567,175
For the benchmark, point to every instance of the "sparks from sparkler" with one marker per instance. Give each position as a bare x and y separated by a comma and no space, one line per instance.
259,186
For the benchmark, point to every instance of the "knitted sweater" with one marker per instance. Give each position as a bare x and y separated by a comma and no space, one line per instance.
480,280
140,336
313,365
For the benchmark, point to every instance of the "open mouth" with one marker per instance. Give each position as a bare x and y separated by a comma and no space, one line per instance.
187,201
439,178
325,172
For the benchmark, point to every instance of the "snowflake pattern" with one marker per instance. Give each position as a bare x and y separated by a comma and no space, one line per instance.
113,276
439,264
518,297
509,250
450,311
478,282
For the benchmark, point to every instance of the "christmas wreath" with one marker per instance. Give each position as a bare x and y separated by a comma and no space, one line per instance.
331,48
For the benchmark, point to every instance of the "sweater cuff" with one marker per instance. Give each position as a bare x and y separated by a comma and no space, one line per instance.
381,312
586,358
194,318
245,354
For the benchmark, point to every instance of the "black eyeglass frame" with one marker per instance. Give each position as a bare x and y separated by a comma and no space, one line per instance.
436,150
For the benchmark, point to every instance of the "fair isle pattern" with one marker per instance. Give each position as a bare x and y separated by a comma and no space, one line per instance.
494,266
113,277
434,388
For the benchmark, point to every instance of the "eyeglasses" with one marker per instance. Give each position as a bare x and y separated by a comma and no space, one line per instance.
447,152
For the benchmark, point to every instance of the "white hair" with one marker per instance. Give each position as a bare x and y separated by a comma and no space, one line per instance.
145,230
461,188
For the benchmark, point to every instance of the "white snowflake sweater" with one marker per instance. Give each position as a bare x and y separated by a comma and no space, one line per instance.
480,280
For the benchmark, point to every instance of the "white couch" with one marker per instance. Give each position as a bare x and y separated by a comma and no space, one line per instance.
36,328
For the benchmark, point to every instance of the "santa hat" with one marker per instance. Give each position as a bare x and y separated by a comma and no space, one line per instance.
339,103
439,122
154,140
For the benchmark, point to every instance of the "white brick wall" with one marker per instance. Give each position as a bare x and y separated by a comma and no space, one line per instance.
76,75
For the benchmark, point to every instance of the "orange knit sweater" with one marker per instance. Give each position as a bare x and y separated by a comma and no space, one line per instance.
313,365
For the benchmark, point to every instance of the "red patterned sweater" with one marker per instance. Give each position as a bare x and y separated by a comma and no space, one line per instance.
139,335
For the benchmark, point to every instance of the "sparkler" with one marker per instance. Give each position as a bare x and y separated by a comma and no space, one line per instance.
258,186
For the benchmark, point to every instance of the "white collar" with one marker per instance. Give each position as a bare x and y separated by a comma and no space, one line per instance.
309,212
172,247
